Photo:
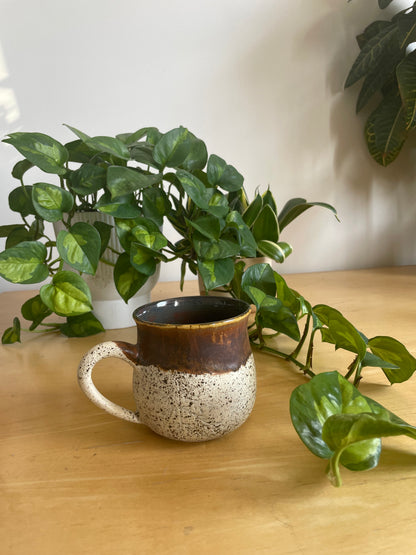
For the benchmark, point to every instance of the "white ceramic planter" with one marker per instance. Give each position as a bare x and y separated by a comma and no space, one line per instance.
109,307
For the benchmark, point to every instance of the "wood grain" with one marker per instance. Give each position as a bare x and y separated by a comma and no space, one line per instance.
75,480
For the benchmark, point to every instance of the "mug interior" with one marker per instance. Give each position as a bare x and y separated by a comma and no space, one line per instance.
191,310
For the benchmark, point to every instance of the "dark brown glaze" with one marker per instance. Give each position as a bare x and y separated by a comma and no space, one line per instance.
208,347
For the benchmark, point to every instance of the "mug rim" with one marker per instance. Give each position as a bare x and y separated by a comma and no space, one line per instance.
245,310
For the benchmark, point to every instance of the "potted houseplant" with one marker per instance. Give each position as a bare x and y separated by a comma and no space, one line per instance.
86,208
386,64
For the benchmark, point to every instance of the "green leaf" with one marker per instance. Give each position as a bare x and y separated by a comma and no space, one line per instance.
20,200
312,404
131,138
217,204
20,168
41,150
88,179
376,362
67,294
79,152
50,201
143,153
123,207
209,226
393,353
214,250
406,77
123,181
221,174
18,235
253,210
385,130
143,259
12,335
197,155
248,246
105,233
24,263
173,148
269,199
295,207
110,145
274,315
260,276
5,230
81,326
276,251
266,225
384,3
80,247
342,332
139,229
195,189
288,297
216,273
126,278
371,53
35,311
155,205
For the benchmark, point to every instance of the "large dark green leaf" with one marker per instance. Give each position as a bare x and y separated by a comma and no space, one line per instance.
126,278
213,250
312,404
155,204
340,331
143,153
81,326
209,226
266,225
217,204
104,230
35,311
88,179
80,247
20,200
173,148
109,145
195,189
215,273
5,230
392,351
221,174
260,276
406,77
79,152
18,235
295,207
41,150
197,155
371,53
24,263
67,294
123,181
253,210
385,130
20,168
50,201
248,246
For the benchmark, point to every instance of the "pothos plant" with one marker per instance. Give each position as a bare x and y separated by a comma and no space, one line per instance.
333,420
140,179
387,65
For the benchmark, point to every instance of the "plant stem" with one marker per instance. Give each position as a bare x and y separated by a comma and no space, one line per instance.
286,356
296,351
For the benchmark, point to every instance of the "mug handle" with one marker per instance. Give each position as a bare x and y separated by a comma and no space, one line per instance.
108,349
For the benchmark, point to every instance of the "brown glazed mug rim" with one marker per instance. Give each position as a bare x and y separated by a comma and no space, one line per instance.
240,307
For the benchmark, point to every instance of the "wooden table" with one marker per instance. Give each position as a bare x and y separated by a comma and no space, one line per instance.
76,480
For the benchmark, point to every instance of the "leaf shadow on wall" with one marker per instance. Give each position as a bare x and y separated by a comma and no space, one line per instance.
385,198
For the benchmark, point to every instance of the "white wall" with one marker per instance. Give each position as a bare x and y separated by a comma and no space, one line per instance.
261,82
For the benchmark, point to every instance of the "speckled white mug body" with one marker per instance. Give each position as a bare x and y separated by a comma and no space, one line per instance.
192,381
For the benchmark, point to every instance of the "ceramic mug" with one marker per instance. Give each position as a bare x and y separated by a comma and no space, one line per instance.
194,377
